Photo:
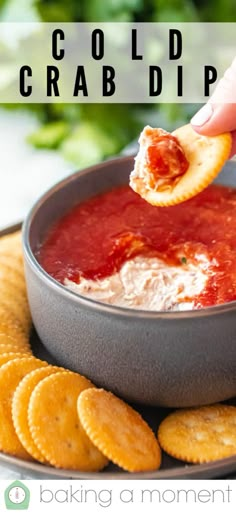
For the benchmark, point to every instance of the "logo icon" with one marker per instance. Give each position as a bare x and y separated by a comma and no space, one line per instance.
17,496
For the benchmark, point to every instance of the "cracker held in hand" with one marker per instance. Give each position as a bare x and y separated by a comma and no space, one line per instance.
171,168
118,431
200,435
55,426
11,374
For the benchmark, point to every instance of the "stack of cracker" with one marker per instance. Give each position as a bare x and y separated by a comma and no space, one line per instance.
15,319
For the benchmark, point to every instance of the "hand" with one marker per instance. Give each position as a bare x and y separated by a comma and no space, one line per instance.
219,115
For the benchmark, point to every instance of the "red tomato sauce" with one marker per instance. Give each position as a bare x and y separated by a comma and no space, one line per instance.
97,236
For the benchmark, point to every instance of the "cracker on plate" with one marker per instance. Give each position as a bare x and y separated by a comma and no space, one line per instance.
199,435
11,374
20,405
11,244
13,347
118,431
8,356
7,338
53,413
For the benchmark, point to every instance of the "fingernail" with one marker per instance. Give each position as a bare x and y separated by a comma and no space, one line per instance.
203,115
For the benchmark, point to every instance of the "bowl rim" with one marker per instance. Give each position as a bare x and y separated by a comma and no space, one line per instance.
89,302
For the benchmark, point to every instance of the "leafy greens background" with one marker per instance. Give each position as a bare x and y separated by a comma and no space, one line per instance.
87,133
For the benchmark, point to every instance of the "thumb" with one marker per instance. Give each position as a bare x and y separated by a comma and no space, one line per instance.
219,114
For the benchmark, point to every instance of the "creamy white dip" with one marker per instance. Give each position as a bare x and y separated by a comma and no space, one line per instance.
148,283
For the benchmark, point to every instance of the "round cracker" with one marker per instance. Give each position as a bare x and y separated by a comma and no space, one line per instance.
118,431
53,413
8,348
6,316
6,268
200,435
10,324
20,405
11,237
14,261
11,244
19,312
16,302
11,292
15,333
9,356
7,339
12,287
206,156
14,277
13,329
11,374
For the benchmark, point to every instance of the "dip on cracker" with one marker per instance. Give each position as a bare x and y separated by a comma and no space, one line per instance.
172,167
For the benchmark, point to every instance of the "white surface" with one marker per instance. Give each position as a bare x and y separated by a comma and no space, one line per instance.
25,172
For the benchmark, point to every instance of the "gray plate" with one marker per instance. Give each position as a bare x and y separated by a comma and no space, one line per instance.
170,469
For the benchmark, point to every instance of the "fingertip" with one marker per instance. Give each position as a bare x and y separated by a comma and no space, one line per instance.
197,129
223,120
202,117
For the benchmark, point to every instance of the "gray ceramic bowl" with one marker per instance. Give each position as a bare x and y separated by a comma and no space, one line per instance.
173,359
